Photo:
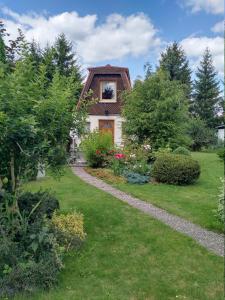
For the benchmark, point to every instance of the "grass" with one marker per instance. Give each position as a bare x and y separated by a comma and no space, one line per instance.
197,202
127,254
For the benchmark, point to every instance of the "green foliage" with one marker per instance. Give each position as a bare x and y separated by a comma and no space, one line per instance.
221,153
135,178
48,204
220,209
30,257
182,150
156,110
69,229
118,163
175,63
201,136
206,98
96,147
34,122
176,169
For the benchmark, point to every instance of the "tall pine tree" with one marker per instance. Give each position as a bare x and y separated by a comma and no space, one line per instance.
206,96
175,63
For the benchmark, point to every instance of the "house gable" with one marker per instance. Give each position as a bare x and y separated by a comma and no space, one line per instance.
97,76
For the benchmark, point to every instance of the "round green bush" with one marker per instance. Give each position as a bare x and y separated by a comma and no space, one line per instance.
175,169
182,150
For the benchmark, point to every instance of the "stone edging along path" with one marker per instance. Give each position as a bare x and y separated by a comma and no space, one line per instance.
208,239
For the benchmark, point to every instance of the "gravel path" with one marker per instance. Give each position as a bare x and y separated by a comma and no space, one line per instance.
210,240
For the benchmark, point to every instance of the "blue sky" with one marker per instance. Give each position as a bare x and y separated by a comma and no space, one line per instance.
122,32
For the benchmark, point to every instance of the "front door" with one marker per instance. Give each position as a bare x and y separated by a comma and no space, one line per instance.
107,126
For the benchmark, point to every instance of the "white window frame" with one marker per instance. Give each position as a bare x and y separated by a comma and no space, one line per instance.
108,100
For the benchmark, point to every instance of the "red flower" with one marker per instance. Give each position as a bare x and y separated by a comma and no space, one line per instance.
98,152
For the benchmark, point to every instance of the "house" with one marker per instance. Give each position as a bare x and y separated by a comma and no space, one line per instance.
107,84
220,132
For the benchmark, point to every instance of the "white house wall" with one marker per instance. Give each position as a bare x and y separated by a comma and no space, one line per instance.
221,134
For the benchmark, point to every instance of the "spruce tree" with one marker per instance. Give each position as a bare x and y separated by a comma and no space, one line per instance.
49,62
206,96
65,59
175,63
35,54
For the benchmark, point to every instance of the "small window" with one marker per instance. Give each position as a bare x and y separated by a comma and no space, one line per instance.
88,127
108,91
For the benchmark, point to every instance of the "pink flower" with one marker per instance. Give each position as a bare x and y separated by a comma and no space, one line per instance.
119,156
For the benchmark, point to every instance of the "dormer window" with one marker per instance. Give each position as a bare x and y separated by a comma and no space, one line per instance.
108,91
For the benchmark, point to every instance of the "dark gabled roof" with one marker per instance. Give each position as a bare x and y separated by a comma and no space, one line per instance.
104,70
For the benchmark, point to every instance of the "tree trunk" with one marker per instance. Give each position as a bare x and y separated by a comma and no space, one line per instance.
12,171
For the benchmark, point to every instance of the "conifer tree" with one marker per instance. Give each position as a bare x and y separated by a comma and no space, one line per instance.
65,59
35,54
175,63
206,96
49,62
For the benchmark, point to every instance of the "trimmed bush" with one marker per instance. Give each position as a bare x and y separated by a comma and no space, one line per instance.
176,169
96,147
182,150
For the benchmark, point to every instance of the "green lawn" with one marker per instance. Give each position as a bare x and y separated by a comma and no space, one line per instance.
194,202
127,254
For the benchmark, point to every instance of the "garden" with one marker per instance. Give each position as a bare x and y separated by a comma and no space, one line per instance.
61,238
126,254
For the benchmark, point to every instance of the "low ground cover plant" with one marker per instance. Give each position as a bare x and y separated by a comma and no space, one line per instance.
97,148
106,175
175,169
135,178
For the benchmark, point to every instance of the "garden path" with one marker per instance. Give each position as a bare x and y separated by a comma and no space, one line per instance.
208,239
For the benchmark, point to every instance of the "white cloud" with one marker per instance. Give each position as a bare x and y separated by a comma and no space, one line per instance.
195,47
210,6
218,27
117,37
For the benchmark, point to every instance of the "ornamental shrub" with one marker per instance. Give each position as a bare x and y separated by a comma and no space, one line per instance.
182,150
135,178
97,148
175,169
69,229
30,258
33,241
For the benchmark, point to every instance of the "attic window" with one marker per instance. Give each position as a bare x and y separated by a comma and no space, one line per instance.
108,91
